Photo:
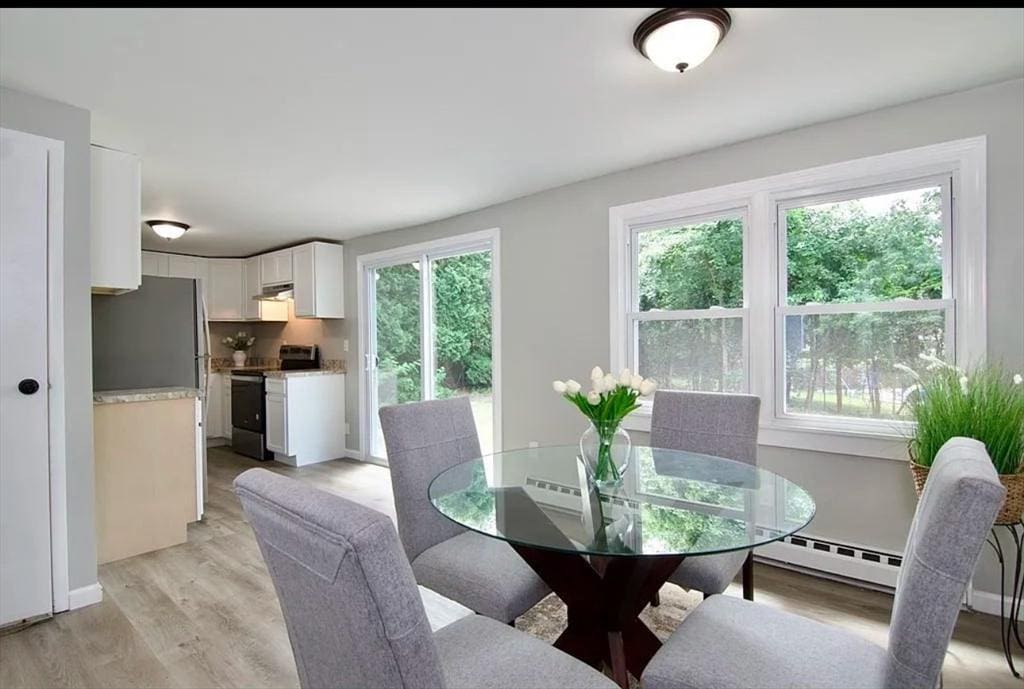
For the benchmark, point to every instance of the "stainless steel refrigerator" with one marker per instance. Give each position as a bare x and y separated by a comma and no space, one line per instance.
148,338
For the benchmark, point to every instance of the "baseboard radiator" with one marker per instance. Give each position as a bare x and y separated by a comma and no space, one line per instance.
858,564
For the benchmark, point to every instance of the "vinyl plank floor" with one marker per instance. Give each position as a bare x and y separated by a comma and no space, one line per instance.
204,613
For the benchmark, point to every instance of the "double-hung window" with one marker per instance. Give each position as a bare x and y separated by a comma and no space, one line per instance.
687,319
826,292
865,299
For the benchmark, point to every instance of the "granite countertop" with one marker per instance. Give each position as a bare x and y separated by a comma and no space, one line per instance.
271,367
299,374
142,395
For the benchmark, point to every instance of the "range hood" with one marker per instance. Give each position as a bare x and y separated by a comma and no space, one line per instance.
279,292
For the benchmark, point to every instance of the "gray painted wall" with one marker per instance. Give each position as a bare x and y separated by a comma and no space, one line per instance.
550,331
71,125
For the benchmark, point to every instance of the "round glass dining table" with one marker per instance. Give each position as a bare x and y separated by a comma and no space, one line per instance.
606,552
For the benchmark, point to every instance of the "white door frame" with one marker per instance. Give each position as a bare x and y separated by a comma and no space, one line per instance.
488,240
55,366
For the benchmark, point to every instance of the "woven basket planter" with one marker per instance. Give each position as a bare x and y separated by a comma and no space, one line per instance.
1013,504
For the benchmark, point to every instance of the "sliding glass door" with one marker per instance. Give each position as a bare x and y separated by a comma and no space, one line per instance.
430,315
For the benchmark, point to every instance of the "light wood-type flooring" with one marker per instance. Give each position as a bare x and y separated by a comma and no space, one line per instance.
204,614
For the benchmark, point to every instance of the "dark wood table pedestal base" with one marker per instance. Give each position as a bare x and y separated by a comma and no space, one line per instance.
605,596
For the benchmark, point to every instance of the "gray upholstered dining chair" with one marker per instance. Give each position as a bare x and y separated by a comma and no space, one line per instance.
724,425
353,611
726,642
484,574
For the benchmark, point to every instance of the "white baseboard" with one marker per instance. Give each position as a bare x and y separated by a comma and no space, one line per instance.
989,603
86,595
217,442
353,454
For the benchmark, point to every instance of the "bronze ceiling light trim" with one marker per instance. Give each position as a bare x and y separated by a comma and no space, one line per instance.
677,39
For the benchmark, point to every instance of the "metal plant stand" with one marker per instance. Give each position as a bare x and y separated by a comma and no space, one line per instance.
1010,607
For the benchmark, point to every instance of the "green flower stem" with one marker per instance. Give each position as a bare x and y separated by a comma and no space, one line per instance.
606,468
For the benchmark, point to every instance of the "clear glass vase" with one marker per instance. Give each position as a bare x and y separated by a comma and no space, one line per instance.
606,449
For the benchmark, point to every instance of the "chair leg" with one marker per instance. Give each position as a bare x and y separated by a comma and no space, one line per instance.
748,576
656,599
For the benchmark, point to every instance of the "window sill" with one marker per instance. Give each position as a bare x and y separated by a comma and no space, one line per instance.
815,439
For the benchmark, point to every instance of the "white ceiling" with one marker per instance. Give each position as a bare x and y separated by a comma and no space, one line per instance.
262,127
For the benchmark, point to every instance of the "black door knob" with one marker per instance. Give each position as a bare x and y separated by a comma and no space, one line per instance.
29,386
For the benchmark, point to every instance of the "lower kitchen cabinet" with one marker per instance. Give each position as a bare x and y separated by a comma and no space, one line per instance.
277,423
306,417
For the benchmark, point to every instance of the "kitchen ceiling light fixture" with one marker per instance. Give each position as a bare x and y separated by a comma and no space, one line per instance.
168,229
678,39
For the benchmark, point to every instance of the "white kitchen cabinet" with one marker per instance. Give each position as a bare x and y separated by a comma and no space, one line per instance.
305,418
116,221
277,423
190,267
318,278
251,280
215,406
226,293
259,310
276,267
155,263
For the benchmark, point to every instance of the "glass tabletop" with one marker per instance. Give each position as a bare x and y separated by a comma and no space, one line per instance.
670,503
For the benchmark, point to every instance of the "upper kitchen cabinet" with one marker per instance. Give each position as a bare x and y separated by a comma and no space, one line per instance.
116,221
225,297
192,267
276,267
155,263
319,290
259,310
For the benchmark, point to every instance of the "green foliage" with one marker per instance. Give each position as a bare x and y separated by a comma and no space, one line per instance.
850,251
462,316
984,403
841,253
692,267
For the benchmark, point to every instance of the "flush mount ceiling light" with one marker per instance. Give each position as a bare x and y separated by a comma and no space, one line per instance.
168,229
678,39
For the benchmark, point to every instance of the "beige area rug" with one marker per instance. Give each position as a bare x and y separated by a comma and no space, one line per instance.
547,619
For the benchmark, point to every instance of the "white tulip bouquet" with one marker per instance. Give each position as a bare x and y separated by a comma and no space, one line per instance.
608,402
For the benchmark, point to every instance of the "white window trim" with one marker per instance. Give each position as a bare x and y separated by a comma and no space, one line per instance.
964,160
486,240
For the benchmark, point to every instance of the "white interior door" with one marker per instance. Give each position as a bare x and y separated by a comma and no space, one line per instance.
26,585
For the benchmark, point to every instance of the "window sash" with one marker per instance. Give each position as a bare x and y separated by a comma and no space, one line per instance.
851,423
633,321
852,193
633,317
731,213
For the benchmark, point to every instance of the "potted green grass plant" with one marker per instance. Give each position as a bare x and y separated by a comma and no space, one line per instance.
985,403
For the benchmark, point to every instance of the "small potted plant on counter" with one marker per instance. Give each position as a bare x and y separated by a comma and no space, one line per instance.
984,402
240,343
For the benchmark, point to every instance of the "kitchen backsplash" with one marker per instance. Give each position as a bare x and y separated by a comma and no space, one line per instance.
327,333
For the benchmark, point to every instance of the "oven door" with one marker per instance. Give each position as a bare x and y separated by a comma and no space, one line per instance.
247,403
